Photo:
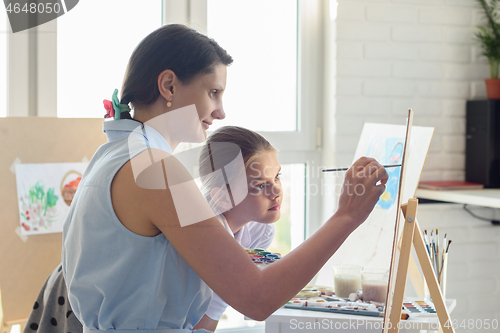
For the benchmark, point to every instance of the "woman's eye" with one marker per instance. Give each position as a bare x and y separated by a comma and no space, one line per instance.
278,176
213,93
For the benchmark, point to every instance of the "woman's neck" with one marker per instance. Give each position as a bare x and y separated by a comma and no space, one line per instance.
146,113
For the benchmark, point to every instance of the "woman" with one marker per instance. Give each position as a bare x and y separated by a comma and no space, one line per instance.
136,255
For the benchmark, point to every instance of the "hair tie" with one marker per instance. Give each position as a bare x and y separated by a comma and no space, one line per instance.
113,107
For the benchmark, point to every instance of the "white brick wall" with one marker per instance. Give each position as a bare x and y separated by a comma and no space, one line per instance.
396,54
474,259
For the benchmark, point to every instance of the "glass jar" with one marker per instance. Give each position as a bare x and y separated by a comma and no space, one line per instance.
374,284
347,279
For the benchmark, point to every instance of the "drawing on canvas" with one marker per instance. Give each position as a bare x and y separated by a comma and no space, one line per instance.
388,151
370,245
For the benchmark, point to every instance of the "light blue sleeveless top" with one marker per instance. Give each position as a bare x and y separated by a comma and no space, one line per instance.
118,280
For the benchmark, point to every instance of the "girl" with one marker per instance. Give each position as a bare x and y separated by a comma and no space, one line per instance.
130,260
250,221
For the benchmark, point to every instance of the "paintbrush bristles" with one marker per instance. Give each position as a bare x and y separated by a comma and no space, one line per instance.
449,242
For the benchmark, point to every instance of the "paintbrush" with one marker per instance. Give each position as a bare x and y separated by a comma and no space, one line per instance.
345,169
426,240
431,244
449,242
443,252
437,252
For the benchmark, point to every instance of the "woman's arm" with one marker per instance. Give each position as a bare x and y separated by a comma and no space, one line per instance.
223,264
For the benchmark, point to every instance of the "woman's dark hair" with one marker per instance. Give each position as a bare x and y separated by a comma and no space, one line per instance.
183,50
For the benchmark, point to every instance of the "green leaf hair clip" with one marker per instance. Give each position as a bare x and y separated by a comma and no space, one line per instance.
118,108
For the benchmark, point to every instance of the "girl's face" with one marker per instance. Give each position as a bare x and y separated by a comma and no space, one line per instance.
263,202
206,93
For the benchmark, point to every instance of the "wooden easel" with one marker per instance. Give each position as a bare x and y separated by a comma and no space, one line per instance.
413,235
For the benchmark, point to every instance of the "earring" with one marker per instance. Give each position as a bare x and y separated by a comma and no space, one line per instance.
169,104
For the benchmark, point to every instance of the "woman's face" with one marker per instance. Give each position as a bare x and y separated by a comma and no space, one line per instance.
206,93
263,202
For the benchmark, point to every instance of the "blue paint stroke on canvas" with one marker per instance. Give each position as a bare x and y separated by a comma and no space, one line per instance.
388,151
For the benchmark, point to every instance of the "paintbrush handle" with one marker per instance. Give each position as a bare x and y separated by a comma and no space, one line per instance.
345,169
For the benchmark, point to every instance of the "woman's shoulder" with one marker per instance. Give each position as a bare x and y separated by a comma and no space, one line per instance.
129,200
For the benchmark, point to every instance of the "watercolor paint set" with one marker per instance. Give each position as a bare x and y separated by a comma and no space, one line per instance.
327,304
262,258
318,298
419,307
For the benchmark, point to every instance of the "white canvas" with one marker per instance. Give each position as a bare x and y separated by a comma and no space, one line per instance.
370,246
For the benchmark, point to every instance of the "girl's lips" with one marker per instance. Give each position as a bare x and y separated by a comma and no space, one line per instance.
277,207
205,125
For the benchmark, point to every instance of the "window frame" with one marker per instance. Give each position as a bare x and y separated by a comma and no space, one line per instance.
32,71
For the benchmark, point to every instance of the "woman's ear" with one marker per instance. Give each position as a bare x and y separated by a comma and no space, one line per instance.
221,199
166,81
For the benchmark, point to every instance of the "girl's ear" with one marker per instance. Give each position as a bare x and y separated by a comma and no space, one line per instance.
221,199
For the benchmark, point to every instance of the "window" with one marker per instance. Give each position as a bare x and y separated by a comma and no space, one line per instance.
290,226
94,43
274,87
262,81
4,31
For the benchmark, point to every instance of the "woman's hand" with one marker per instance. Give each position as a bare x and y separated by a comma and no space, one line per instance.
361,189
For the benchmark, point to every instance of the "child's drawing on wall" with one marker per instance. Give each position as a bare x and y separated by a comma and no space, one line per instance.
45,192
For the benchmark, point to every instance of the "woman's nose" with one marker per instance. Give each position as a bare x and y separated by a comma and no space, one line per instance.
219,113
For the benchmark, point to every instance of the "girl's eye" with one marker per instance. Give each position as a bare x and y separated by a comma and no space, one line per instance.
213,92
260,186
278,176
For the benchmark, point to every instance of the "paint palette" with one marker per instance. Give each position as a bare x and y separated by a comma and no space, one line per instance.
419,307
262,258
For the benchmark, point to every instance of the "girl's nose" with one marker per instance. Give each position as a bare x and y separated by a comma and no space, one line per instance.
276,191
